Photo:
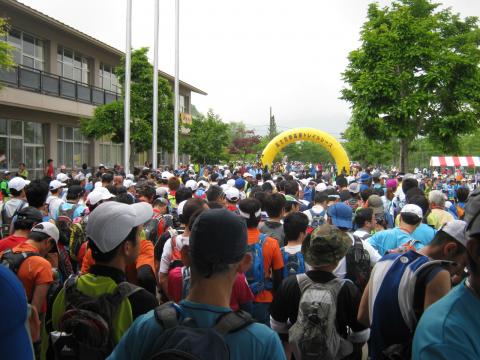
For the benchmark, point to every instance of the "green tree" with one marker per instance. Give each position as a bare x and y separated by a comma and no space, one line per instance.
416,73
306,152
108,120
207,139
6,59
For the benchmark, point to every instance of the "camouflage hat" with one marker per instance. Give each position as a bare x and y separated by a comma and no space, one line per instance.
327,246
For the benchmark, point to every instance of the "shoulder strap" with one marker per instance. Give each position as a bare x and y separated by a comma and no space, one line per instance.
166,315
123,290
233,321
16,259
357,242
303,282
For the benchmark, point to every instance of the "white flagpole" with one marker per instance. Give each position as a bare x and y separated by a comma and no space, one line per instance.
128,54
155,90
177,95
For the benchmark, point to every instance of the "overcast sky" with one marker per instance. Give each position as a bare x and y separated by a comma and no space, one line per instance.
247,55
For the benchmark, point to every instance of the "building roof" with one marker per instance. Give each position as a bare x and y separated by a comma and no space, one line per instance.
64,27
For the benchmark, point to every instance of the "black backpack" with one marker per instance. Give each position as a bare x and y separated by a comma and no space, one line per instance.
13,261
85,330
7,220
358,264
183,340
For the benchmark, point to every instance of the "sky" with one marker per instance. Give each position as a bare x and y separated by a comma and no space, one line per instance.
247,55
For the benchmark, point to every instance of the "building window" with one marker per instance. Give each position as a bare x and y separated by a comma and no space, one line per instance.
184,105
22,141
27,49
110,153
108,79
72,65
73,147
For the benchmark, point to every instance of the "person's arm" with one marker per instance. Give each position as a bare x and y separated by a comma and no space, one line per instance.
363,316
146,278
164,266
39,296
277,276
437,288
277,264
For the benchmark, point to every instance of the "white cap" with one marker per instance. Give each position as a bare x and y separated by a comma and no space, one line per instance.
166,175
232,194
62,177
80,176
192,184
161,191
457,230
180,207
130,177
293,174
203,183
18,183
225,187
98,184
99,194
247,174
231,182
110,223
47,228
128,183
55,184
321,187
412,209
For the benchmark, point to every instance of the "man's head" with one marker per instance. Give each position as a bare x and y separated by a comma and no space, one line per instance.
56,186
107,178
462,194
218,247
75,192
411,215
118,180
450,244
436,199
376,204
275,205
232,195
365,219
113,231
161,204
146,194
291,188
215,193
325,247
409,183
472,218
295,226
173,183
250,210
45,237
37,193
97,196
17,186
190,207
27,218
321,198
340,215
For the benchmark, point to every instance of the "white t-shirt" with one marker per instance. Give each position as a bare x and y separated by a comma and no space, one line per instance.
341,270
180,242
293,249
54,203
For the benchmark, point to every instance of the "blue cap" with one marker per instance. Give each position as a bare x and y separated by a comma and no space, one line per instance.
240,183
14,337
364,187
341,215
364,178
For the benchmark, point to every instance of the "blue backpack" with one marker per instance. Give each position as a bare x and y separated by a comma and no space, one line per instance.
318,219
294,264
256,274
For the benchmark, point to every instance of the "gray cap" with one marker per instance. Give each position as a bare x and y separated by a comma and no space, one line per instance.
110,223
457,230
354,188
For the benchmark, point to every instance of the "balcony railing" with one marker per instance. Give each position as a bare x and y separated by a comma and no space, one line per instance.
27,78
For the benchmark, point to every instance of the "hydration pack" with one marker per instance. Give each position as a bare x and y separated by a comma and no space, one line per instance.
256,274
294,264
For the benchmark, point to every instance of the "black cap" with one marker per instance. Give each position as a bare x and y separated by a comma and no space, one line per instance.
218,237
30,213
75,190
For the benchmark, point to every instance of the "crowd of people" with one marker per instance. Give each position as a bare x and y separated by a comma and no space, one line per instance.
238,262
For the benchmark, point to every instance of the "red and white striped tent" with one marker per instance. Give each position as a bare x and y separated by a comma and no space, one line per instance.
457,161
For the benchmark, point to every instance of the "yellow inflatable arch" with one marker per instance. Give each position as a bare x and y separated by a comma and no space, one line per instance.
307,134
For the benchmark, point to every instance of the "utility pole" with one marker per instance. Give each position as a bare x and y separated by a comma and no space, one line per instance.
155,90
128,52
272,128
176,84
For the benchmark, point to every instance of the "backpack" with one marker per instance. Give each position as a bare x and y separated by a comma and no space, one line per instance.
185,281
294,263
7,220
65,223
318,219
357,260
85,329
256,274
156,226
77,238
314,334
13,260
182,339
409,245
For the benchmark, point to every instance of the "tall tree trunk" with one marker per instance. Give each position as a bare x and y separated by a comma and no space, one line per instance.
404,143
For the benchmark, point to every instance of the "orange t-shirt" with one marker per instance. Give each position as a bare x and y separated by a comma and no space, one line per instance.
272,259
34,271
145,257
